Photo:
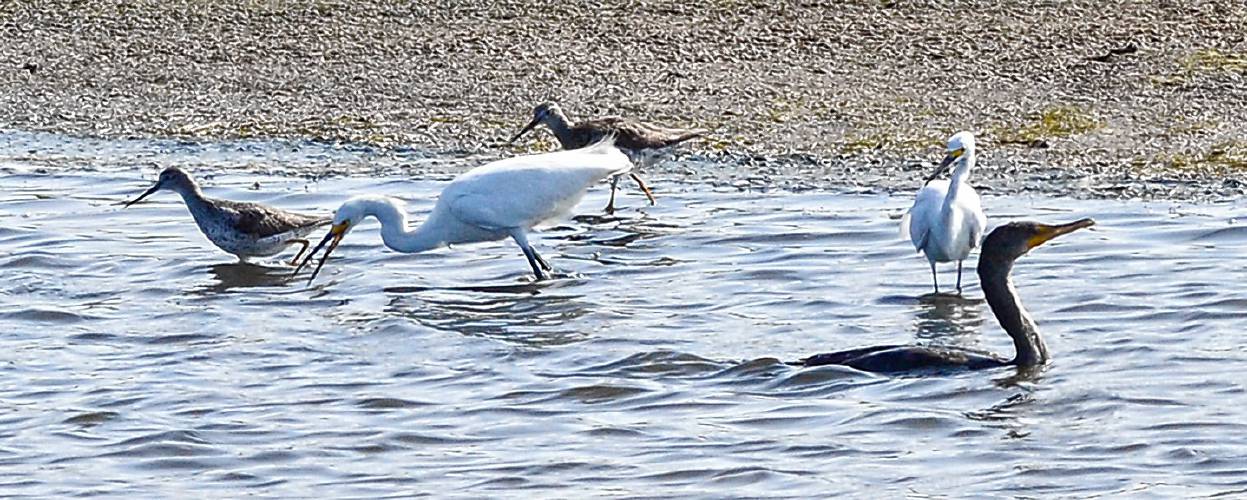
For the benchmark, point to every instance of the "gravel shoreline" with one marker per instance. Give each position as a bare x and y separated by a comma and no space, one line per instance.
1082,98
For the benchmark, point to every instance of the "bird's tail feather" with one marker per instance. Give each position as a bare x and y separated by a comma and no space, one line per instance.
905,221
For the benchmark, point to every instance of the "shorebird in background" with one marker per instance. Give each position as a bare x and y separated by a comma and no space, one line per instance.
640,140
241,228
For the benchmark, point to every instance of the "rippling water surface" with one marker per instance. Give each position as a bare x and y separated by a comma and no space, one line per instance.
139,359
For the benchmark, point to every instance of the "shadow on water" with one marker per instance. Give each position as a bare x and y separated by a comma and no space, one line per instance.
238,275
944,318
525,313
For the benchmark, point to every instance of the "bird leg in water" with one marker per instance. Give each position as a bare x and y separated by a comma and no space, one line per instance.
544,265
610,205
935,278
305,243
643,187
534,260
959,277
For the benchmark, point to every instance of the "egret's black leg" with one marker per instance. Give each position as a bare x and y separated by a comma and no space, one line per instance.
534,260
959,277
935,278
544,265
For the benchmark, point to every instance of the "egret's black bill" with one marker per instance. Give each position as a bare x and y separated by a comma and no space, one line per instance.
948,160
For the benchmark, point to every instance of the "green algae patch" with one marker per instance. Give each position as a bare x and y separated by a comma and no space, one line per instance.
1053,123
1213,60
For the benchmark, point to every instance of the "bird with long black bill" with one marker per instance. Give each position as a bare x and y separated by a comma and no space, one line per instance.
499,200
946,221
1001,248
640,140
241,228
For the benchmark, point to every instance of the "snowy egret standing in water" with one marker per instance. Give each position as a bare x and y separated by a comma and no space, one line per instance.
506,198
947,220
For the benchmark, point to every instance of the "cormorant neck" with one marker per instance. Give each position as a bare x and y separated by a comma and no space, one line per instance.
394,231
994,277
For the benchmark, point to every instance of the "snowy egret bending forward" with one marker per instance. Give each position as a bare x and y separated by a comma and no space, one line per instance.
502,199
241,228
947,221
639,139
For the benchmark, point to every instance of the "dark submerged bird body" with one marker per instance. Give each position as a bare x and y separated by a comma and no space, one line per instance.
636,138
241,228
1001,248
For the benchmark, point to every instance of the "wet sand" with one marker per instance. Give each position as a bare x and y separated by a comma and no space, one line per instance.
1080,98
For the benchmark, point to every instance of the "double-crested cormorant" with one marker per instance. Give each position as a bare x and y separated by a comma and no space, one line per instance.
634,137
242,228
491,202
947,221
1004,245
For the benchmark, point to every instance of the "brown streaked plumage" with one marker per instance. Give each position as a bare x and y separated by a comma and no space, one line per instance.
241,228
634,137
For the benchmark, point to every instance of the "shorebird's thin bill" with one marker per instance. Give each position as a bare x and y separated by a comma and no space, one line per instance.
525,130
153,189
336,232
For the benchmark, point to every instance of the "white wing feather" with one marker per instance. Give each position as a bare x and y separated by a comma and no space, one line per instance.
525,191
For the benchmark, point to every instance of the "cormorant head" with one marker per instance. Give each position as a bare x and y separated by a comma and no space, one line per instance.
1014,239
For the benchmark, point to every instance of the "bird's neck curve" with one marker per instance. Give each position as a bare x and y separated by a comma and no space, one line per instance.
994,277
961,174
394,231
190,192
561,127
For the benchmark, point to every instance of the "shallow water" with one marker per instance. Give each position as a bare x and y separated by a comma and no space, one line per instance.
141,360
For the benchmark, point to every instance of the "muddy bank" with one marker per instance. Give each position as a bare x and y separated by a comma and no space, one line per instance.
1086,98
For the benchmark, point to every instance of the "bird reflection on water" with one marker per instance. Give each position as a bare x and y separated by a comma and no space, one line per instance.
239,275
948,319
530,314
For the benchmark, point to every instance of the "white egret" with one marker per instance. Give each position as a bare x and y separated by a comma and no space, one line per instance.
947,220
499,200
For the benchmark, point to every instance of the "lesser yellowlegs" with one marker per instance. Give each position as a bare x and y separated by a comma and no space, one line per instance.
241,228
642,141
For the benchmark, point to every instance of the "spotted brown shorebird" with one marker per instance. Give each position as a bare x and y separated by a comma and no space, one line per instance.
640,140
241,228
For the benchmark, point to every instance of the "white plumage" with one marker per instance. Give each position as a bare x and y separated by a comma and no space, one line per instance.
502,199
946,221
